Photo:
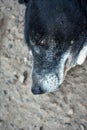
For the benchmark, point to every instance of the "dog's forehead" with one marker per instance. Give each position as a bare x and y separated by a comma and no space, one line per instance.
56,18
48,15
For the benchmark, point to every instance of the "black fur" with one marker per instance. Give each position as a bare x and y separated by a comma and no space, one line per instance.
50,26
23,1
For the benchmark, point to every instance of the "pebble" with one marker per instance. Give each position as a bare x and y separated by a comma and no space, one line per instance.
25,74
25,60
65,100
9,8
67,124
82,127
13,16
1,122
30,62
67,120
10,46
4,92
21,129
9,82
41,127
70,113
21,78
20,36
14,79
27,100
30,53
12,97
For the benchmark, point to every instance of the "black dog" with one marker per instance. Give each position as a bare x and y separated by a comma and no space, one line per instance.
56,32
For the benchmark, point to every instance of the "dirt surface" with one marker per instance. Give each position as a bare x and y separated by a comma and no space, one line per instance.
65,109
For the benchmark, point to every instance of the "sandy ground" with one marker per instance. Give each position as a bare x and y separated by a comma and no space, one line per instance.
65,109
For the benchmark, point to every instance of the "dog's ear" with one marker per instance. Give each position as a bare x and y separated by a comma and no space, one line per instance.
23,1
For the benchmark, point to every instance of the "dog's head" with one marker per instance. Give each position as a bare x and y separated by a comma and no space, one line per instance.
55,31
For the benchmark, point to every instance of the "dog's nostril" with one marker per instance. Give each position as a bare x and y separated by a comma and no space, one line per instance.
37,90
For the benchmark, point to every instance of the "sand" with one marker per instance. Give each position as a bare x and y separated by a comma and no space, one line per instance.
66,109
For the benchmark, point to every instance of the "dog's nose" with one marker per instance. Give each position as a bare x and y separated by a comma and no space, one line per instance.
37,90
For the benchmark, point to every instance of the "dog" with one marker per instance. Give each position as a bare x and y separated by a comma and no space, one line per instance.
56,32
